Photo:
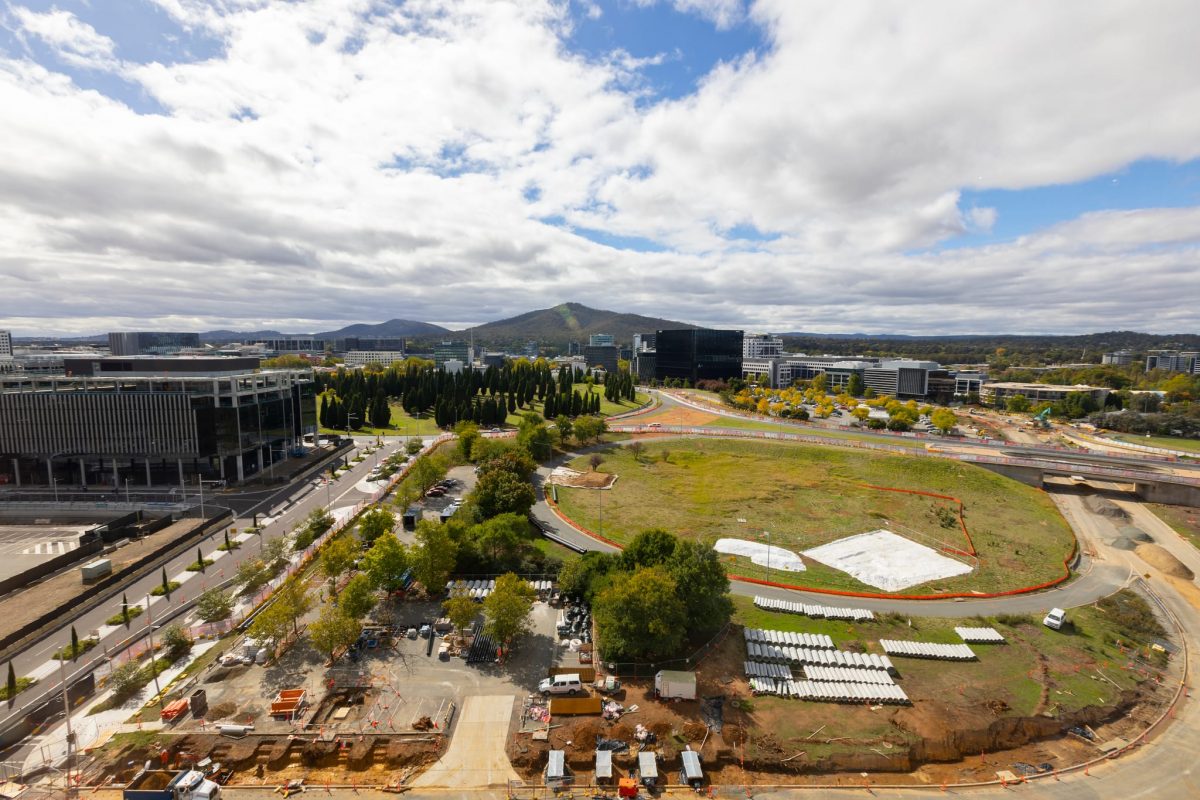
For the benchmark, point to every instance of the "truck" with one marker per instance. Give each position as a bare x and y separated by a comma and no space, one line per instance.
155,784
675,684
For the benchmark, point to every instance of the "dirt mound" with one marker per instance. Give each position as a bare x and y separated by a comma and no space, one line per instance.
1123,543
221,711
694,731
1105,508
1160,558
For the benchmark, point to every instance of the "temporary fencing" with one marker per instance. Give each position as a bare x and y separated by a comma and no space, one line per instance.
944,652
814,611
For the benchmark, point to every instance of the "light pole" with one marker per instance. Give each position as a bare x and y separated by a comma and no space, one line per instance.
62,672
54,480
153,659
127,491
768,535
200,481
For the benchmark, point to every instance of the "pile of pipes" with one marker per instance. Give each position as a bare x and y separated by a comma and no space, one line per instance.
476,590
815,611
980,635
816,640
830,691
944,652
755,669
847,675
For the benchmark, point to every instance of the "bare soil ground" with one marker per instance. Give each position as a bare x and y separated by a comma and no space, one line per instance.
967,720
679,415
586,480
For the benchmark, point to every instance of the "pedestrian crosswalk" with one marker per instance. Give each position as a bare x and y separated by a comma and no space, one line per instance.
53,548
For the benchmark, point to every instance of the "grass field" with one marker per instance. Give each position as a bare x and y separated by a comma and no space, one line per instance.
1063,662
1165,442
807,495
739,423
1184,519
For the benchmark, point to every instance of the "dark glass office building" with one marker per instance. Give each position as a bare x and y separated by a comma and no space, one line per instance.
698,354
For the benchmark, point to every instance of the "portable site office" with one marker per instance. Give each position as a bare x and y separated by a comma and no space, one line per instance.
691,772
603,765
647,768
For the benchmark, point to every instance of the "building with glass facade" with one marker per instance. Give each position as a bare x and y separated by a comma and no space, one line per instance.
697,354
136,343
151,429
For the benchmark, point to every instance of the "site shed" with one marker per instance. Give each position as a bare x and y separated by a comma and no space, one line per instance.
691,772
603,765
556,768
675,683
647,766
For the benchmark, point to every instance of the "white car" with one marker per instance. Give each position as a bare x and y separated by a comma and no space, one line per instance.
1055,619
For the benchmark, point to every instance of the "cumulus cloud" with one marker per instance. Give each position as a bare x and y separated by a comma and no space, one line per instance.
74,41
358,160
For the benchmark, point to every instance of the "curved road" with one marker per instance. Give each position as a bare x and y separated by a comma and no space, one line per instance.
1161,768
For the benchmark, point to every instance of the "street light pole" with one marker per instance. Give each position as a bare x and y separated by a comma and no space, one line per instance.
768,533
153,659
55,481
62,672
127,491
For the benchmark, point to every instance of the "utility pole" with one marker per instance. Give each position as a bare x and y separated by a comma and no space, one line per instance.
153,659
62,671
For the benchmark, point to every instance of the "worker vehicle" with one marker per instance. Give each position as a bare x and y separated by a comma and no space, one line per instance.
1055,619
154,784
561,684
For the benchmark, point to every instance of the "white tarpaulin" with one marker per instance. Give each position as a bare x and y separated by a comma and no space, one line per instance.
887,561
758,552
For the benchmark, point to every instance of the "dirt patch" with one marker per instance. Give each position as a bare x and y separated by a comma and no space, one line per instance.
679,415
582,480
221,711
1161,559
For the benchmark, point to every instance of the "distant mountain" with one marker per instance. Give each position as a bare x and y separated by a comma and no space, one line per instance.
565,323
391,328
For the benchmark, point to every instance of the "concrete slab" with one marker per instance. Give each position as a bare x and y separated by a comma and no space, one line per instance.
476,756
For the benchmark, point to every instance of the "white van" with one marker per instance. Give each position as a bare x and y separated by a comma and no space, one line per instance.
1055,619
561,684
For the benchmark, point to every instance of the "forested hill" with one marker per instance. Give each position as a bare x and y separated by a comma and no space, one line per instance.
568,322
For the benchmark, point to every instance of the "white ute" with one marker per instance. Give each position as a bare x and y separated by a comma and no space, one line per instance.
1055,619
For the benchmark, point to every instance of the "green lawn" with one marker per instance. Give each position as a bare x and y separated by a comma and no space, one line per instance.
1184,519
808,495
1165,442
1011,672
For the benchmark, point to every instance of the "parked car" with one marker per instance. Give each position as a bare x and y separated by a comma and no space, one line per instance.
1055,619
561,684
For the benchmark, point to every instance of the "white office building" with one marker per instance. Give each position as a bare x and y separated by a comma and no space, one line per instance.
761,345
358,358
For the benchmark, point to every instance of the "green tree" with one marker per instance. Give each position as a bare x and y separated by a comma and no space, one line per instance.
12,683
294,600
501,536
214,605
413,446
166,584
588,429
426,471
274,553
506,610
502,492
468,434
175,643
854,386
337,557
588,575
702,585
333,631
125,610
565,428
943,419
252,574
461,611
434,557
386,562
375,523
536,439
1018,403
74,644
271,624
820,382
125,679
358,598
640,616
650,548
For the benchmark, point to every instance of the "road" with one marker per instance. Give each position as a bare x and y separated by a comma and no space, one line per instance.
293,504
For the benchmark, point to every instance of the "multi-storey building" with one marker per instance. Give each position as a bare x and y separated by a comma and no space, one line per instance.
358,358
293,344
451,349
997,394
1118,358
601,340
761,345
160,426
137,343
6,349
604,356
697,354
1173,361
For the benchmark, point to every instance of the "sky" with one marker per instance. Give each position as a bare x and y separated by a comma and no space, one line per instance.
944,167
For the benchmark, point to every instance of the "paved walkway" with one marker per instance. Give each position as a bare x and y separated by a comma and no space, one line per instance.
476,756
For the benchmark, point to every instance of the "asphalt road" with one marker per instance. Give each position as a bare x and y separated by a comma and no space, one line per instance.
294,502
